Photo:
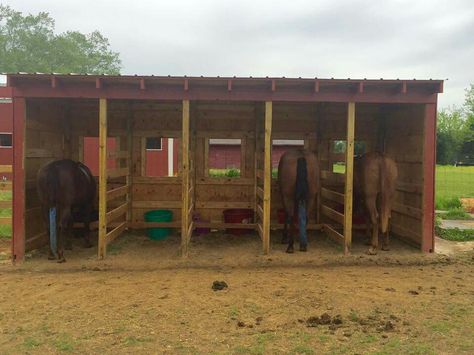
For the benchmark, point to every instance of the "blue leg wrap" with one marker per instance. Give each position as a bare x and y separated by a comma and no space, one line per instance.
302,223
53,240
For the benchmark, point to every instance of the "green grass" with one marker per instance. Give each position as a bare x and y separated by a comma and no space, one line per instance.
454,181
455,234
232,173
455,214
5,230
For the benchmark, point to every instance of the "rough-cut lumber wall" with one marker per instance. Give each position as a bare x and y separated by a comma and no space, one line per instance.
404,142
44,142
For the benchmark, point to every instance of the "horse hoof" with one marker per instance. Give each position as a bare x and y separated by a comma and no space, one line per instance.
290,250
303,248
385,248
372,251
51,257
60,261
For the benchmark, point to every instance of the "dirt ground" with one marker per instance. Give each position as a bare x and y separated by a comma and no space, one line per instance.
144,298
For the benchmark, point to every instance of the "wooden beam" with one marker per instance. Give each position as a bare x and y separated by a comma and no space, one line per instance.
129,178
119,172
6,204
54,82
361,87
116,213
157,204
429,163
267,180
18,240
142,84
404,87
114,233
117,192
332,214
186,84
98,84
316,86
349,177
334,235
102,245
332,195
6,168
5,220
273,85
185,179
140,225
229,85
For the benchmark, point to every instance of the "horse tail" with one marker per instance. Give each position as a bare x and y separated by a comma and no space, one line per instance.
52,185
302,188
384,195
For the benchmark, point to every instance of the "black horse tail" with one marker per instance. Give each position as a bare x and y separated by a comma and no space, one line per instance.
53,185
302,189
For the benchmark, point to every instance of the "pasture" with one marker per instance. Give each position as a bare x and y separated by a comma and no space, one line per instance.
454,181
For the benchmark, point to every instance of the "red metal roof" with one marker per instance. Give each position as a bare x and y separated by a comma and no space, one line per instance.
224,88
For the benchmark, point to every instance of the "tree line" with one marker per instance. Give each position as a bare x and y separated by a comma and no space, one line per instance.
455,132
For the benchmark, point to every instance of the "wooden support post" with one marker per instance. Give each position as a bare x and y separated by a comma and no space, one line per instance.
429,162
267,180
102,247
128,180
185,179
349,177
18,239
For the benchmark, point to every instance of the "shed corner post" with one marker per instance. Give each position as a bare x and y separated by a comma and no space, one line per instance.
185,175
429,163
348,189
102,245
18,230
267,181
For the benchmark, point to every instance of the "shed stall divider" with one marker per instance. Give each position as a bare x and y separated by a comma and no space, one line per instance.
51,122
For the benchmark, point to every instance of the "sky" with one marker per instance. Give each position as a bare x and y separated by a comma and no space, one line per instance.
294,38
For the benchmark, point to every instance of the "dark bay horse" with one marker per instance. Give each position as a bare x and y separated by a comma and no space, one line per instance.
68,187
298,178
375,180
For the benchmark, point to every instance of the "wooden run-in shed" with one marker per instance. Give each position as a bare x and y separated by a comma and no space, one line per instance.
53,114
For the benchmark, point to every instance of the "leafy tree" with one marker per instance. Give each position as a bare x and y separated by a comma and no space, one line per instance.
28,44
455,136
450,135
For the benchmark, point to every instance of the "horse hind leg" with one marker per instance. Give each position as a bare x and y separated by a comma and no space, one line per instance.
290,249
51,255
302,219
372,209
65,221
87,230
386,238
284,237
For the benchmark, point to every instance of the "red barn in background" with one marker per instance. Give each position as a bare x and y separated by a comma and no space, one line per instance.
225,153
6,129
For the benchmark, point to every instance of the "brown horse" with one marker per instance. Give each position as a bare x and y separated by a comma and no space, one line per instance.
298,178
68,187
375,179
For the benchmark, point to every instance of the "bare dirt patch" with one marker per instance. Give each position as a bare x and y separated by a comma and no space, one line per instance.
144,298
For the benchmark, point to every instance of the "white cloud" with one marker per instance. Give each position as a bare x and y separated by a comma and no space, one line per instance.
373,39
